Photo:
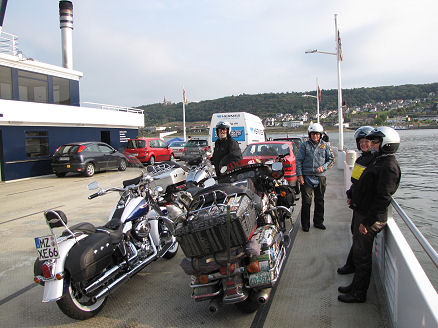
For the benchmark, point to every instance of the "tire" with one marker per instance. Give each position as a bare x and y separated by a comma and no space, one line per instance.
122,165
249,305
171,251
60,174
89,170
152,160
77,306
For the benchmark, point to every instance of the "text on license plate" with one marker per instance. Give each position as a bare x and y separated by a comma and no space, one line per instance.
47,247
260,279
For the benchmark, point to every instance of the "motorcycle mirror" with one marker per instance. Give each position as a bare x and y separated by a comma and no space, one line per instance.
158,190
277,166
94,185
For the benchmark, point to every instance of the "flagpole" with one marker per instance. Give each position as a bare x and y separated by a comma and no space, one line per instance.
340,118
184,114
317,101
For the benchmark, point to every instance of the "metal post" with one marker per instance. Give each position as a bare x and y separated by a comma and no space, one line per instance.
341,152
317,101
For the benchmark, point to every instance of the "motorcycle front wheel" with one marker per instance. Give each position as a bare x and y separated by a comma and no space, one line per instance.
171,251
77,305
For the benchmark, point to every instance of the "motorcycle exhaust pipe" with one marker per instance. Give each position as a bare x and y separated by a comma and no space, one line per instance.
213,307
263,295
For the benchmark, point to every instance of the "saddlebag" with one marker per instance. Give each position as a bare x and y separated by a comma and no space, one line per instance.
205,230
89,256
286,195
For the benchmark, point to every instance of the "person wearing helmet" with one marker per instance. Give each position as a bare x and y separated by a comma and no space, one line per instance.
313,159
364,145
370,199
226,149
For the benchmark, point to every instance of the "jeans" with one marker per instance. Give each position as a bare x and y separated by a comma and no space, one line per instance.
306,196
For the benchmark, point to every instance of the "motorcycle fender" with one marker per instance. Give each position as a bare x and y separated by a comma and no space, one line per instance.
53,289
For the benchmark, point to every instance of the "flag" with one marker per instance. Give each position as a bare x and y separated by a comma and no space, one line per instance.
340,47
319,94
184,97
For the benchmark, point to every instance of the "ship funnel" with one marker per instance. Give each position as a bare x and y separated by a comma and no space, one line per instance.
66,25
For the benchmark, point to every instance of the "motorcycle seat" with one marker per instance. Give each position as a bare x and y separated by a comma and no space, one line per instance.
115,234
84,227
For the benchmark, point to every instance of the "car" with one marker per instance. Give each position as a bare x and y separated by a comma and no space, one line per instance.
194,150
149,150
296,140
178,148
86,158
271,150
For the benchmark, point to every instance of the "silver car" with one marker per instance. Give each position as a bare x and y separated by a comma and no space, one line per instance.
178,148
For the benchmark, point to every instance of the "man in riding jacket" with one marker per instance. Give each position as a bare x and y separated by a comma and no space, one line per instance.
370,199
314,158
226,149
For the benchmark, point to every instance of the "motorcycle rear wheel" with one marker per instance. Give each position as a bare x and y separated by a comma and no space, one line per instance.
249,305
76,305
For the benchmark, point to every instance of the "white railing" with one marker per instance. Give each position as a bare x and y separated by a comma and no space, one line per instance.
113,107
8,44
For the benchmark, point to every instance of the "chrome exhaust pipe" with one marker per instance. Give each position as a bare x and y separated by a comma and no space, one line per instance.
213,307
118,282
263,295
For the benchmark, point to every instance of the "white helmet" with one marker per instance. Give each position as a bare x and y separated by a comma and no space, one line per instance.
390,139
315,127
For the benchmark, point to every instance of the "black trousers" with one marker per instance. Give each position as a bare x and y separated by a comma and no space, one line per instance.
306,201
350,262
362,257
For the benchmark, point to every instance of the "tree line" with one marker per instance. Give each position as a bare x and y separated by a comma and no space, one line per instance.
268,104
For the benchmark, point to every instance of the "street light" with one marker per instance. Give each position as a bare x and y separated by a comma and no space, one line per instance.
338,55
317,100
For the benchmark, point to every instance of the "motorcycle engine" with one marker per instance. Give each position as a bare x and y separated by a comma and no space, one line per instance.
141,230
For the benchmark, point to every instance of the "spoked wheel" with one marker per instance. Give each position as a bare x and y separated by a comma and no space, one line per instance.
77,305
152,160
89,170
122,165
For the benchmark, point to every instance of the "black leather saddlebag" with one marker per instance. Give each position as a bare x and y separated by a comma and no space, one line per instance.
286,195
205,230
89,256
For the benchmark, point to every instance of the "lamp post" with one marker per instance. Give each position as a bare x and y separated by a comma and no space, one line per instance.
317,100
338,55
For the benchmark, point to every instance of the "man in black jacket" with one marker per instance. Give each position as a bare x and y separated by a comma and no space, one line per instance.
364,145
370,199
226,149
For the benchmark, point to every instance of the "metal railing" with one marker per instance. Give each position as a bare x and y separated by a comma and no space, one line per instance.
430,251
113,107
8,44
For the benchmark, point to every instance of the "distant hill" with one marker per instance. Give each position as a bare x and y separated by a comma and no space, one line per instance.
268,104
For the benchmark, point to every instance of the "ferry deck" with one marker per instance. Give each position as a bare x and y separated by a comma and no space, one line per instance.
159,296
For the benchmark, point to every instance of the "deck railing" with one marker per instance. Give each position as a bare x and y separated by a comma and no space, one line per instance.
113,107
8,44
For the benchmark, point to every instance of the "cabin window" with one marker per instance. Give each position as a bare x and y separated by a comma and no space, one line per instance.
33,87
36,143
5,83
61,91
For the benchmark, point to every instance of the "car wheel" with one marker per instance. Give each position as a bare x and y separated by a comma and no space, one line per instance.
122,165
60,174
152,160
172,157
89,170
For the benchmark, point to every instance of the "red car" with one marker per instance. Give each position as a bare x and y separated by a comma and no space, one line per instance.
271,150
149,150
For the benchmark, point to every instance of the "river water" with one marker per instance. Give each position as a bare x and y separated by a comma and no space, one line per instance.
417,195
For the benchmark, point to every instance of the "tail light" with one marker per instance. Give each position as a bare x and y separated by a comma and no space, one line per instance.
185,149
46,268
205,149
254,267
223,270
203,279
56,150
81,148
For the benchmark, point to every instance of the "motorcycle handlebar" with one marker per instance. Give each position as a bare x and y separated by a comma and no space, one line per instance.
93,195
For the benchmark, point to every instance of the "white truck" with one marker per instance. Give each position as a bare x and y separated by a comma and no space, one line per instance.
246,128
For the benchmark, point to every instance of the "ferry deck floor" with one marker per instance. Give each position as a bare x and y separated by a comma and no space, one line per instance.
159,296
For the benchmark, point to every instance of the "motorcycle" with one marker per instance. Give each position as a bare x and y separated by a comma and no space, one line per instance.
85,263
201,175
233,235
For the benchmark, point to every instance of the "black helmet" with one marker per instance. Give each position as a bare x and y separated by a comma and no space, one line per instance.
362,133
223,125
389,138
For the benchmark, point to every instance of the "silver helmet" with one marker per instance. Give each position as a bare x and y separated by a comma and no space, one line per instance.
223,125
316,128
389,138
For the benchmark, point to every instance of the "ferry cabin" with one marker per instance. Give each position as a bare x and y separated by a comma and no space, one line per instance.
40,110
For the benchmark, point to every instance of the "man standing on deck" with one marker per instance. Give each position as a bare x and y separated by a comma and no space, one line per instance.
370,200
364,145
314,158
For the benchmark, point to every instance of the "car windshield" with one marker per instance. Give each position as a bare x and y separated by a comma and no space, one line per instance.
266,149
68,149
196,143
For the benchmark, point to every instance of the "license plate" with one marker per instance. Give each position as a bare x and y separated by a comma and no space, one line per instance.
64,158
47,247
260,279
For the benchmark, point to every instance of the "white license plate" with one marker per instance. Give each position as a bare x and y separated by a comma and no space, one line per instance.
64,158
47,247
260,279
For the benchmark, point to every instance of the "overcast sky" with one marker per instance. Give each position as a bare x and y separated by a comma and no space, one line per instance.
136,52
